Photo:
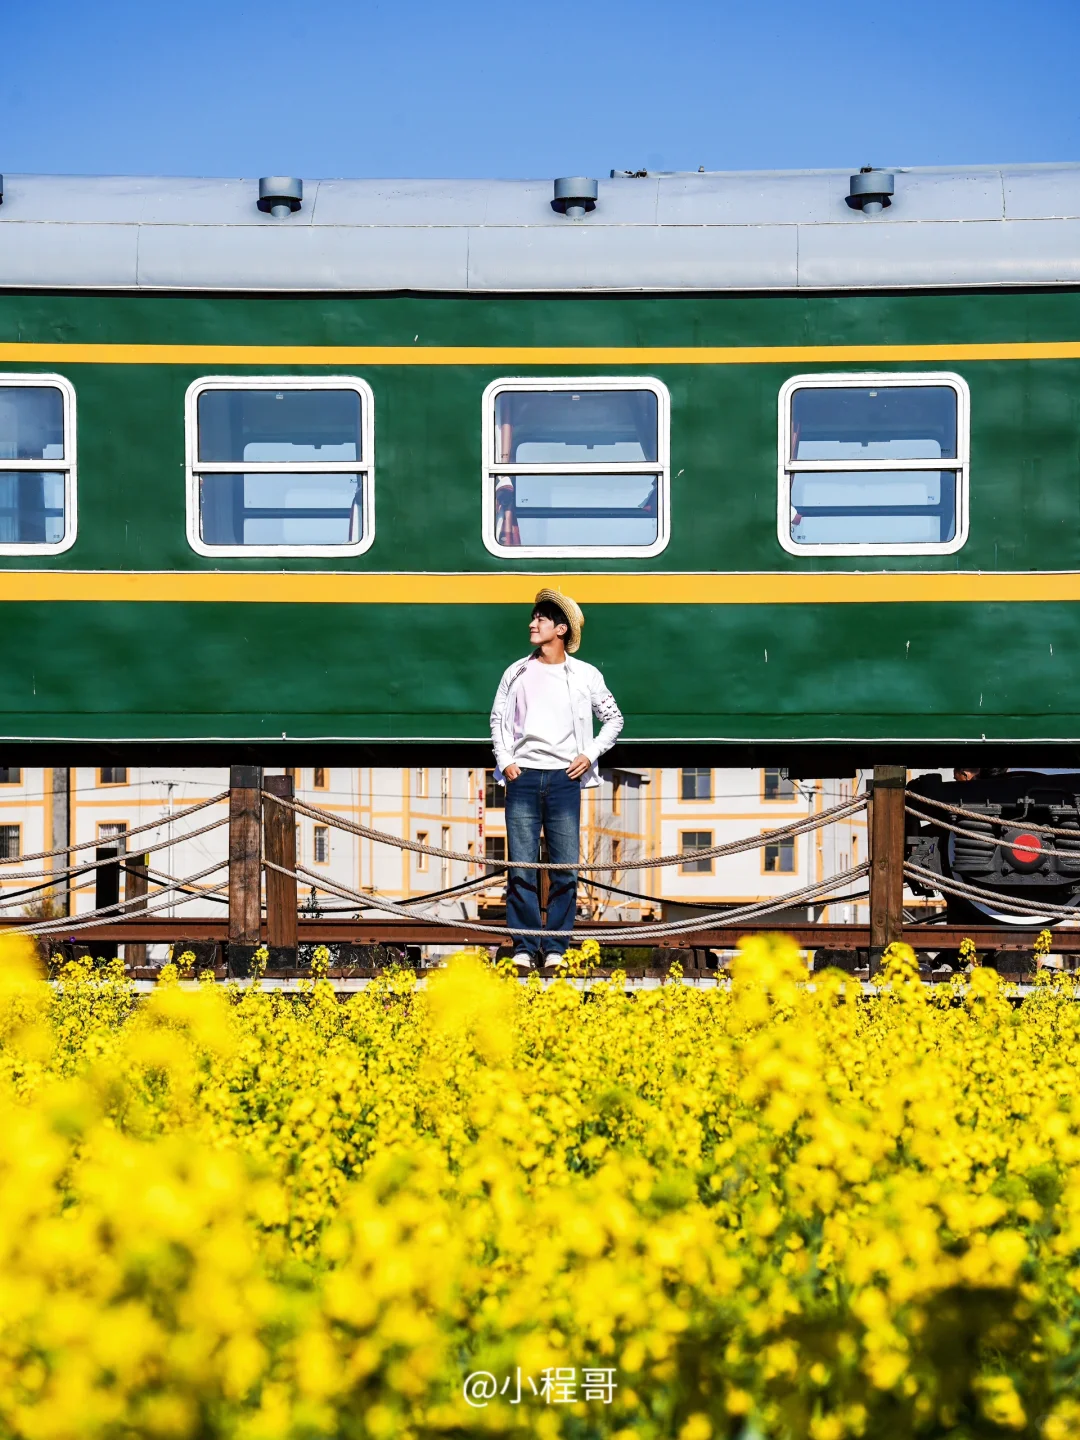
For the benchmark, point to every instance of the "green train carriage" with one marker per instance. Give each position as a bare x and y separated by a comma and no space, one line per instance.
287,480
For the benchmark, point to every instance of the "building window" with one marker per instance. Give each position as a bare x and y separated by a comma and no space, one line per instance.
777,785
444,863
322,845
111,834
616,858
616,794
280,466
695,784
444,791
421,858
10,775
873,464
10,842
696,840
420,783
318,778
576,467
112,775
37,464
495,849
779,857
494,794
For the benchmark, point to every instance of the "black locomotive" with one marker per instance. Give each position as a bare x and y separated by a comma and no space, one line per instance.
1016,860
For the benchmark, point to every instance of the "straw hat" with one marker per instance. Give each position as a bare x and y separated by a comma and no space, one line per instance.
570,608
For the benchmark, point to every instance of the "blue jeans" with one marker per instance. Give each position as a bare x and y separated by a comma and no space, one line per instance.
551,801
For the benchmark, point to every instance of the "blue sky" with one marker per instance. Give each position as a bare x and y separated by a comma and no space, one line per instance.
421,88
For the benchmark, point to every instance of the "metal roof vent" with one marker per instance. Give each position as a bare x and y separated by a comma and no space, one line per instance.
280,195
574,195
871,190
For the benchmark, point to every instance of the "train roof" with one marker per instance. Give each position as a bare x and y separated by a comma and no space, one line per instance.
1013,225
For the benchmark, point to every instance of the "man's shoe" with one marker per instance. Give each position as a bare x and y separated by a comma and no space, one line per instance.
553,961
523,961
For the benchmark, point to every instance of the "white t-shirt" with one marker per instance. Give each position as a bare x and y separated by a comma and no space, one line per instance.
545,719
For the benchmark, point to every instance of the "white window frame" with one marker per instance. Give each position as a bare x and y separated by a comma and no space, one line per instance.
365,467
851,380
67,466
661,466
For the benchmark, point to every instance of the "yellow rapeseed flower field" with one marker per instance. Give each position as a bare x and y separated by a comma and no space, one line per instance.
482,1208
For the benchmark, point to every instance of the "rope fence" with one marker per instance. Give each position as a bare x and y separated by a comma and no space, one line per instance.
138,830
171,890
639,930
108,914
76,871
986,819
843,811
949,885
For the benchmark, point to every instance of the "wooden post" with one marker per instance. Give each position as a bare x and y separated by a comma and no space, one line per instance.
543,885
279,841
886,860
136,885
245,868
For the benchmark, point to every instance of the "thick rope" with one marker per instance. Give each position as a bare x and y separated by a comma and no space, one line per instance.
987,819
91,844
713,852
998,839
951,886
638,931
109,914
125,858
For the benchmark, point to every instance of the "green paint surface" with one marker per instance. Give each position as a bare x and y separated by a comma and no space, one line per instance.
700,672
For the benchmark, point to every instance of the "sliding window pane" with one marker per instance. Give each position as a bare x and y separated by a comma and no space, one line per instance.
32,510
31,422
574,428
290,509
883,507
852,423
561,510
272,426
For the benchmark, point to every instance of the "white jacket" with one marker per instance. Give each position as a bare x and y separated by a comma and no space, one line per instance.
589,696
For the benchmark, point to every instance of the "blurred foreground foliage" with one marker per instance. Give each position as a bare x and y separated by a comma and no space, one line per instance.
775,1210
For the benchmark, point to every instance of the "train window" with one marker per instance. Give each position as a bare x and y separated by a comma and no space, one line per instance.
576,467
873,464
280,466
37,464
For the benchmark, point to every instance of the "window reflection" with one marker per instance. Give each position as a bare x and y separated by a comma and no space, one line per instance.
32,510
279,467
33,500
281,509
586,434
851,437
268,426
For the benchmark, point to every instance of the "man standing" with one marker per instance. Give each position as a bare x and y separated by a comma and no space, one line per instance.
542,734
